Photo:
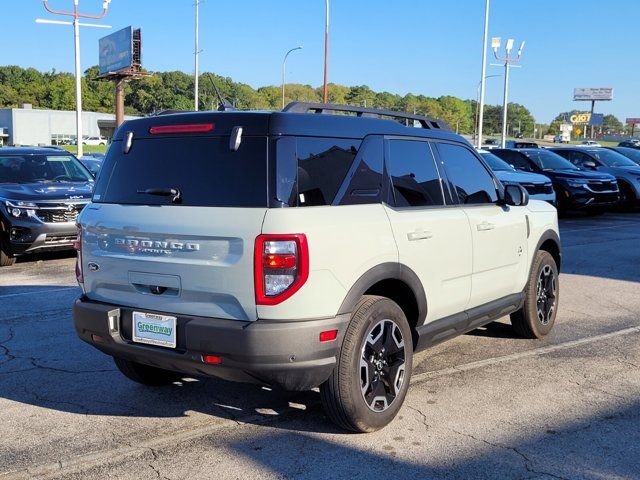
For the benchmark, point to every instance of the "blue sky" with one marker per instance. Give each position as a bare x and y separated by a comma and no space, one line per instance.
430,47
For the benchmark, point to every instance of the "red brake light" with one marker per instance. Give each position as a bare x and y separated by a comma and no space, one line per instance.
281,267
191,128
275,261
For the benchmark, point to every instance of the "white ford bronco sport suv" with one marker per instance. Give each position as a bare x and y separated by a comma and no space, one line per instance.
318,246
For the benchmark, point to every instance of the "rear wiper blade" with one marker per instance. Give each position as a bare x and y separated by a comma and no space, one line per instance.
174,193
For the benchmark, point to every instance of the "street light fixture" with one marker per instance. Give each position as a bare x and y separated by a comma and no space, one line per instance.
76,35
508,60
284,66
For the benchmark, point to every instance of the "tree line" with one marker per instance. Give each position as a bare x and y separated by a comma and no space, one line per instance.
174,91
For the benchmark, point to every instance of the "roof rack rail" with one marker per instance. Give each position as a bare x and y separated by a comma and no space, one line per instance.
324,108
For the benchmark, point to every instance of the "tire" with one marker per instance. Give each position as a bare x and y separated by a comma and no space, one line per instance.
535,320
627,197
376,325
6,260
144,374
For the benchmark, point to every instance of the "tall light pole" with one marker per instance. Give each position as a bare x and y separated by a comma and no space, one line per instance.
484,72
508,60
284,66
477,122
195,54
325,94
76,36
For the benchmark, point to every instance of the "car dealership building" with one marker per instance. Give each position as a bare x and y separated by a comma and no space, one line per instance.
29,126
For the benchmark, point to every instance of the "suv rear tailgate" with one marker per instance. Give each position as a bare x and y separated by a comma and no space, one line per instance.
177,259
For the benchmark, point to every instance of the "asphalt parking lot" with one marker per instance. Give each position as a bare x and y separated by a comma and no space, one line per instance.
485,405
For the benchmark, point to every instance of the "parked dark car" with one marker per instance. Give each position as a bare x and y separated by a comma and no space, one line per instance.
93,164
575,189
538,186
629,152
42,191
517,144
604,160
633,143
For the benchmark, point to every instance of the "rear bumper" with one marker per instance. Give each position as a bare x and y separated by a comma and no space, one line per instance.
282,354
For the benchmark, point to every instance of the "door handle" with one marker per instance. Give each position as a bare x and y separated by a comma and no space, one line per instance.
484,226
419,235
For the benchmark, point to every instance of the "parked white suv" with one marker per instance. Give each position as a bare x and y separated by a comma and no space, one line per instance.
300,249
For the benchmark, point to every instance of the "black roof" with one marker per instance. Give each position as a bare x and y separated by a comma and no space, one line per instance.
33,151
285,123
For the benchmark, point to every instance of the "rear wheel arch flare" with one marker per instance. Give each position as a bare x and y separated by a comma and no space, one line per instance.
396,282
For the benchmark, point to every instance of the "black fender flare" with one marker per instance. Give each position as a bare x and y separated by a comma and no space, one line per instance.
387,271
548,235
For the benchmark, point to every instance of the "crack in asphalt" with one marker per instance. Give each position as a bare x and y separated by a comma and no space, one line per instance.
526,461
424,417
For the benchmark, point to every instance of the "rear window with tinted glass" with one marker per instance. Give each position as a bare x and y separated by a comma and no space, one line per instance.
203,169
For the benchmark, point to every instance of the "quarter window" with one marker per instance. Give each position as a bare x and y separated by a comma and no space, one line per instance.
468,176
413,173
323,164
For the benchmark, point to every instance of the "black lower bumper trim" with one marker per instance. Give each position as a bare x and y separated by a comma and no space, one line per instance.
282,354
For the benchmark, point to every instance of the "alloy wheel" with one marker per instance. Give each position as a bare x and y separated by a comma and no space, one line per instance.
382,365
546,294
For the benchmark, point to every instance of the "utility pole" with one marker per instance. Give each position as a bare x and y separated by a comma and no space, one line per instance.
325,94
508,60
484,73
284,66
76,37
196,53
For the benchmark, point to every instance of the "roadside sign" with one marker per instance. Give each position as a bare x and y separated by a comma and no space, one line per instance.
591,94
566,127
633,121
597,119
116,51
580,118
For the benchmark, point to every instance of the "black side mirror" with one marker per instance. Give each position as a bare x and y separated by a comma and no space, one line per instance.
589,164
515,195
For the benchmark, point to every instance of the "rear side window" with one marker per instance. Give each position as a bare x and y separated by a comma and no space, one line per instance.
204,170
323,164
514,158
413,174
471,180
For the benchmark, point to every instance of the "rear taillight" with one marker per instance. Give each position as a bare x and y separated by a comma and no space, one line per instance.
281,267
77,245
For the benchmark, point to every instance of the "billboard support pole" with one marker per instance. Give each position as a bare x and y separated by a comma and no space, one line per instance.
593,107
119,81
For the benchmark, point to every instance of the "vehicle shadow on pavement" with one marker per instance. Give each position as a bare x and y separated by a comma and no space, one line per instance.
604,445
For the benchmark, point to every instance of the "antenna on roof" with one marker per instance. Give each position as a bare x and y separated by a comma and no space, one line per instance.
223,103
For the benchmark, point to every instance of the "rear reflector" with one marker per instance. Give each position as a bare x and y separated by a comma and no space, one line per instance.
328,335
212,359
97,338
191,128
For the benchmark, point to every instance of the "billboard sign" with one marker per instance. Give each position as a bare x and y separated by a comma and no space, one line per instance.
580,118
596,120
633,121
566,127
589,94
116,51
